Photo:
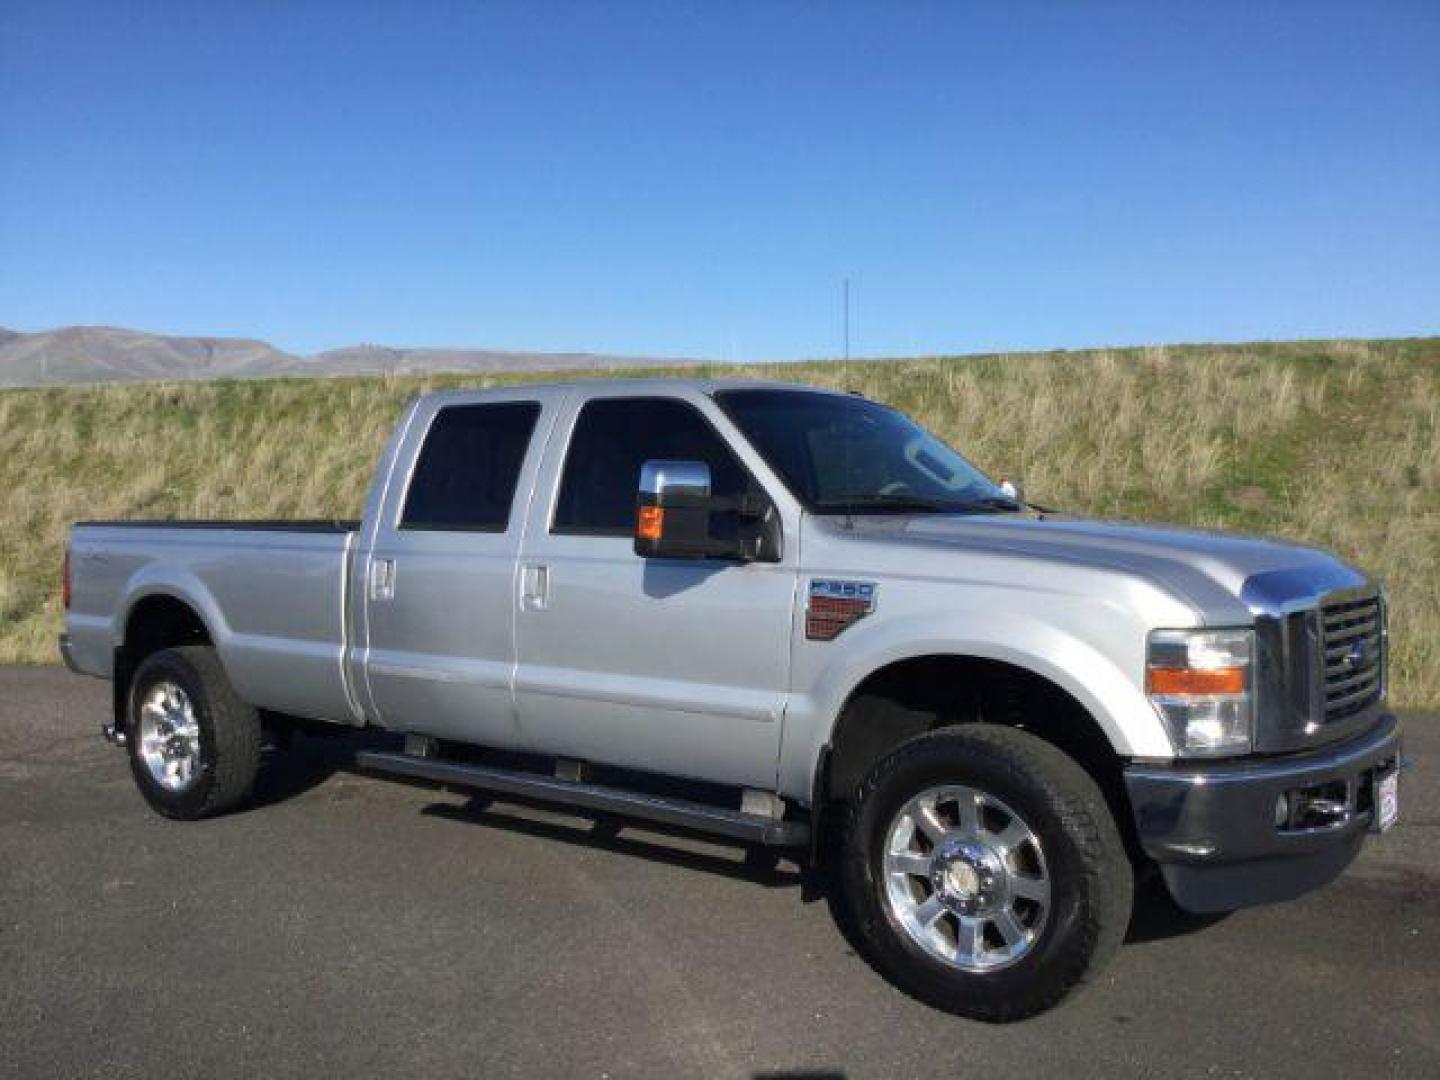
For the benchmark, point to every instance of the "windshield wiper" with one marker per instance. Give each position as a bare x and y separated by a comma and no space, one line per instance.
915,504
995,502
918,504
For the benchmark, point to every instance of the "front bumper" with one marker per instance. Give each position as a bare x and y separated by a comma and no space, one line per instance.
1212,826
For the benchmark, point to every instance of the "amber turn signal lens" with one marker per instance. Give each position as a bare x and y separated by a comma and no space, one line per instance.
1187,682
651,523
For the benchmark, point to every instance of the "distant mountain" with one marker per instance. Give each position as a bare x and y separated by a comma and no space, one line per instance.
74,355
88,354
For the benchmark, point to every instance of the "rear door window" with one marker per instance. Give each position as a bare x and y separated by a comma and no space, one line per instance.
465,477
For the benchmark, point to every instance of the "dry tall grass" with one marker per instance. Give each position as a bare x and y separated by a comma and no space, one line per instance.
1333,443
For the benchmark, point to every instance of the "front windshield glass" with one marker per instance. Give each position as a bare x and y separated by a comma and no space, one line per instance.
842,454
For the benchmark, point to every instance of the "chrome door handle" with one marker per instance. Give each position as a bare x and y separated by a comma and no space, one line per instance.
534,588
382,579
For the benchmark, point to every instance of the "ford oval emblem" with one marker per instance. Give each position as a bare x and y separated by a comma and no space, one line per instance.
1358,654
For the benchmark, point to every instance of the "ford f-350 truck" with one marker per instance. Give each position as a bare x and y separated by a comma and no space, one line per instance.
984,719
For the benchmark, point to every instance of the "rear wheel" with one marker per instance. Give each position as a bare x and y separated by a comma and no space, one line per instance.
983,872
194,746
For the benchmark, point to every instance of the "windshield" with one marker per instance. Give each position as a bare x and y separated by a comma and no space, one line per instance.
843,454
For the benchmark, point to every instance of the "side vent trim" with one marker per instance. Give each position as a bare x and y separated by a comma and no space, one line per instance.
835,605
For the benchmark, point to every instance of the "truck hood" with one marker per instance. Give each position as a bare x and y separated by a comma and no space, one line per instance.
1217,573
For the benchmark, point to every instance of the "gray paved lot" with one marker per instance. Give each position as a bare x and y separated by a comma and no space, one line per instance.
350,926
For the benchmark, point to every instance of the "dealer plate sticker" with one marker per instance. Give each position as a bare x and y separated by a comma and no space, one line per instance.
1387,800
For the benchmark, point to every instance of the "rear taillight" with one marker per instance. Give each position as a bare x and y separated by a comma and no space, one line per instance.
65,582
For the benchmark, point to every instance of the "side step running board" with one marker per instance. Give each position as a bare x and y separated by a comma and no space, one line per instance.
702,817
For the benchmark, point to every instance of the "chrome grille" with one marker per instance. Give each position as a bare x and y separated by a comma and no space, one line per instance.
1352,637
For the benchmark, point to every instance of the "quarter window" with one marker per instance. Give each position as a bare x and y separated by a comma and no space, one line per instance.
465,478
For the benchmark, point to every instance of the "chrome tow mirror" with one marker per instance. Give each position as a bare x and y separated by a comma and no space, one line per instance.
678,516
672,511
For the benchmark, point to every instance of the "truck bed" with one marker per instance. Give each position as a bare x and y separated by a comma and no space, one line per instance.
272,594
322,525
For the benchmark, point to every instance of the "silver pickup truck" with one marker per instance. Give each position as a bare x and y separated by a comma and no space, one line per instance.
790,617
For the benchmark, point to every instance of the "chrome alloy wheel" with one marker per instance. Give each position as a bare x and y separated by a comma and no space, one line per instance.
170,736
965,877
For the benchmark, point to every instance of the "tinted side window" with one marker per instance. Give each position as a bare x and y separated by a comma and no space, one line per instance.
466,475
613,438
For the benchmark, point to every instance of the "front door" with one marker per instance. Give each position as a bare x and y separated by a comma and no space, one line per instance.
675,666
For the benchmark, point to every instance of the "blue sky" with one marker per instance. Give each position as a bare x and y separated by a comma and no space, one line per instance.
698,178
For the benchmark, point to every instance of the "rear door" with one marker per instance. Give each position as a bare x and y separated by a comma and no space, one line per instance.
440,567
671,665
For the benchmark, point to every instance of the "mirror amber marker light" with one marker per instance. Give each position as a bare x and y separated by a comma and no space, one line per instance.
650,523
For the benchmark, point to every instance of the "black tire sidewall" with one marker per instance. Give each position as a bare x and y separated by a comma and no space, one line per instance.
1028,786
171,665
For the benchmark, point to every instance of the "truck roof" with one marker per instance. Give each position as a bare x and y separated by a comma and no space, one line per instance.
641,385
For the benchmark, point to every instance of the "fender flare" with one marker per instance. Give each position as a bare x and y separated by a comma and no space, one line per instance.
1096,681
155,579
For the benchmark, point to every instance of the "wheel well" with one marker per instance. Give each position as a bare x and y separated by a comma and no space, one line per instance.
154,623
911,697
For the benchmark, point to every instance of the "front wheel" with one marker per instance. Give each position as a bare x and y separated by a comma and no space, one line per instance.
984,873
194,746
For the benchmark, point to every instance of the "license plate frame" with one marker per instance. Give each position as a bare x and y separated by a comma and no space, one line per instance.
1385,798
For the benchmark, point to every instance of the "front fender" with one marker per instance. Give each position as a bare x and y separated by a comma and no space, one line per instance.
1097,681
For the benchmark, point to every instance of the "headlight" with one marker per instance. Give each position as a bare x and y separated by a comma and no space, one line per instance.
1201,683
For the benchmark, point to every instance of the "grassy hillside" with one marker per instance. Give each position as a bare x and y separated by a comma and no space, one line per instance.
1336,443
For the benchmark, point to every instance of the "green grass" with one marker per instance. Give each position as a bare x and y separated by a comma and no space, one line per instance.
1335,443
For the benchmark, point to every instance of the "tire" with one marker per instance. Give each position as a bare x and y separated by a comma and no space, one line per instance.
194,746
1015,954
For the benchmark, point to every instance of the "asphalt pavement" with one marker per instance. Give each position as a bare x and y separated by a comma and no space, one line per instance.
352,926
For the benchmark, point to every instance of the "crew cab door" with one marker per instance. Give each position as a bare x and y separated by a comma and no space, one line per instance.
439,566
678,666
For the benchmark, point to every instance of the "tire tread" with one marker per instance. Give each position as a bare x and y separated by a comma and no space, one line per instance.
1083,816
234,731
